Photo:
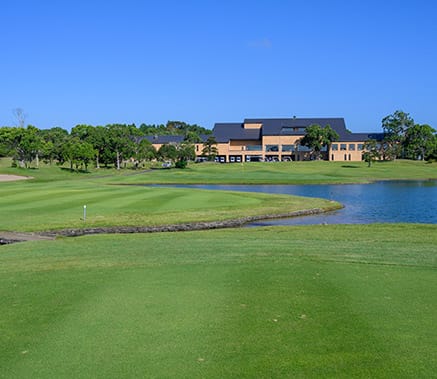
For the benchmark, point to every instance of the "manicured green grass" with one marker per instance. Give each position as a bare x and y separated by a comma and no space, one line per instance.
318,301
244,173
288,173
37,206
49,173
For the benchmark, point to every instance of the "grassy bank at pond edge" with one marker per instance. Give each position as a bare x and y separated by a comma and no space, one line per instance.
39,206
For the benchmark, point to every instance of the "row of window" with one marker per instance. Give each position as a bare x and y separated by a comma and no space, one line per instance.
347,157
292,148
275,148
334,147
344,146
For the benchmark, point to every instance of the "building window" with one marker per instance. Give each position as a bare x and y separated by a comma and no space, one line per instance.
352,147
360,146
343,146
253,148
349,157
334,147
289,148
272,148
345,157
332,157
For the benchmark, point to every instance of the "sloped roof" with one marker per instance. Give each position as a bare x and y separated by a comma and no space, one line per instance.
223,132
277,126
353,137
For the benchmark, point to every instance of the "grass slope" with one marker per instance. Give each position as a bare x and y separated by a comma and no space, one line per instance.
319,301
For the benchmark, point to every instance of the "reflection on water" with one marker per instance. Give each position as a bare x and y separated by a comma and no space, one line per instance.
388,201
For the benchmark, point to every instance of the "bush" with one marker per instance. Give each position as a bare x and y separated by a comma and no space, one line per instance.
181,164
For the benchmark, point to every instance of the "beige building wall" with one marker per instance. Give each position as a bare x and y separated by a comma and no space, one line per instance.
253,126
339,151
346,151
223,149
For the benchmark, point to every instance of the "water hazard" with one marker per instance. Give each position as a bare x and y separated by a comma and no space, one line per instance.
387,201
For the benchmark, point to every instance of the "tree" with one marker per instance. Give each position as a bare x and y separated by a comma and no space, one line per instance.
172,128
371,151
419,141
121,142
395,127
53,141
192,137
186,152
146,151
20,117
432,155
27,144
317,137
180,153
78,153
168,152
7,137
210,148
83,154
98,137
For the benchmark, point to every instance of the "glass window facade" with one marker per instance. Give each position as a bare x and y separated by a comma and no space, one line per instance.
334,147
352,147
274,148
288,148
253,147
343,146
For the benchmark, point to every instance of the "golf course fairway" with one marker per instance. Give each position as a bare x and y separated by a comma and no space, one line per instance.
314,301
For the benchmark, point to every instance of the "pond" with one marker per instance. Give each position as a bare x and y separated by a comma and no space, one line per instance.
385,201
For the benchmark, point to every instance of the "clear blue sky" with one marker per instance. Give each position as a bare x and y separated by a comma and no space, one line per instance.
100,62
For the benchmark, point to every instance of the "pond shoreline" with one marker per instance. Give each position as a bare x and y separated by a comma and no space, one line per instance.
13,237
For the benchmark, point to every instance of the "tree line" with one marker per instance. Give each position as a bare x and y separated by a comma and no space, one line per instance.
110,145
402,139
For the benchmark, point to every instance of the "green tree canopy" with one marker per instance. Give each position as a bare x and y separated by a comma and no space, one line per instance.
317,137
395,127
371,151
168,152
210,148
419,141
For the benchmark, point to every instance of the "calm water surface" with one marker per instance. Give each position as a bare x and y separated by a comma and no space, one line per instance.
388,201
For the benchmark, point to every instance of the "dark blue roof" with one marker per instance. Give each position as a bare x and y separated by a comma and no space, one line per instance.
295,126
223,132
354,137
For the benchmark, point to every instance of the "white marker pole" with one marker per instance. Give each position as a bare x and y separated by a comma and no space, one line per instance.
84,213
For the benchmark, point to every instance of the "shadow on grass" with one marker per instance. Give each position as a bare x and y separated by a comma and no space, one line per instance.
79,171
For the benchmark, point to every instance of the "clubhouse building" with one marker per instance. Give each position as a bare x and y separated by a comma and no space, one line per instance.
277,139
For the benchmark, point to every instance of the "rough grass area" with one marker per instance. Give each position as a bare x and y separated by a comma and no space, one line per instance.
319,301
